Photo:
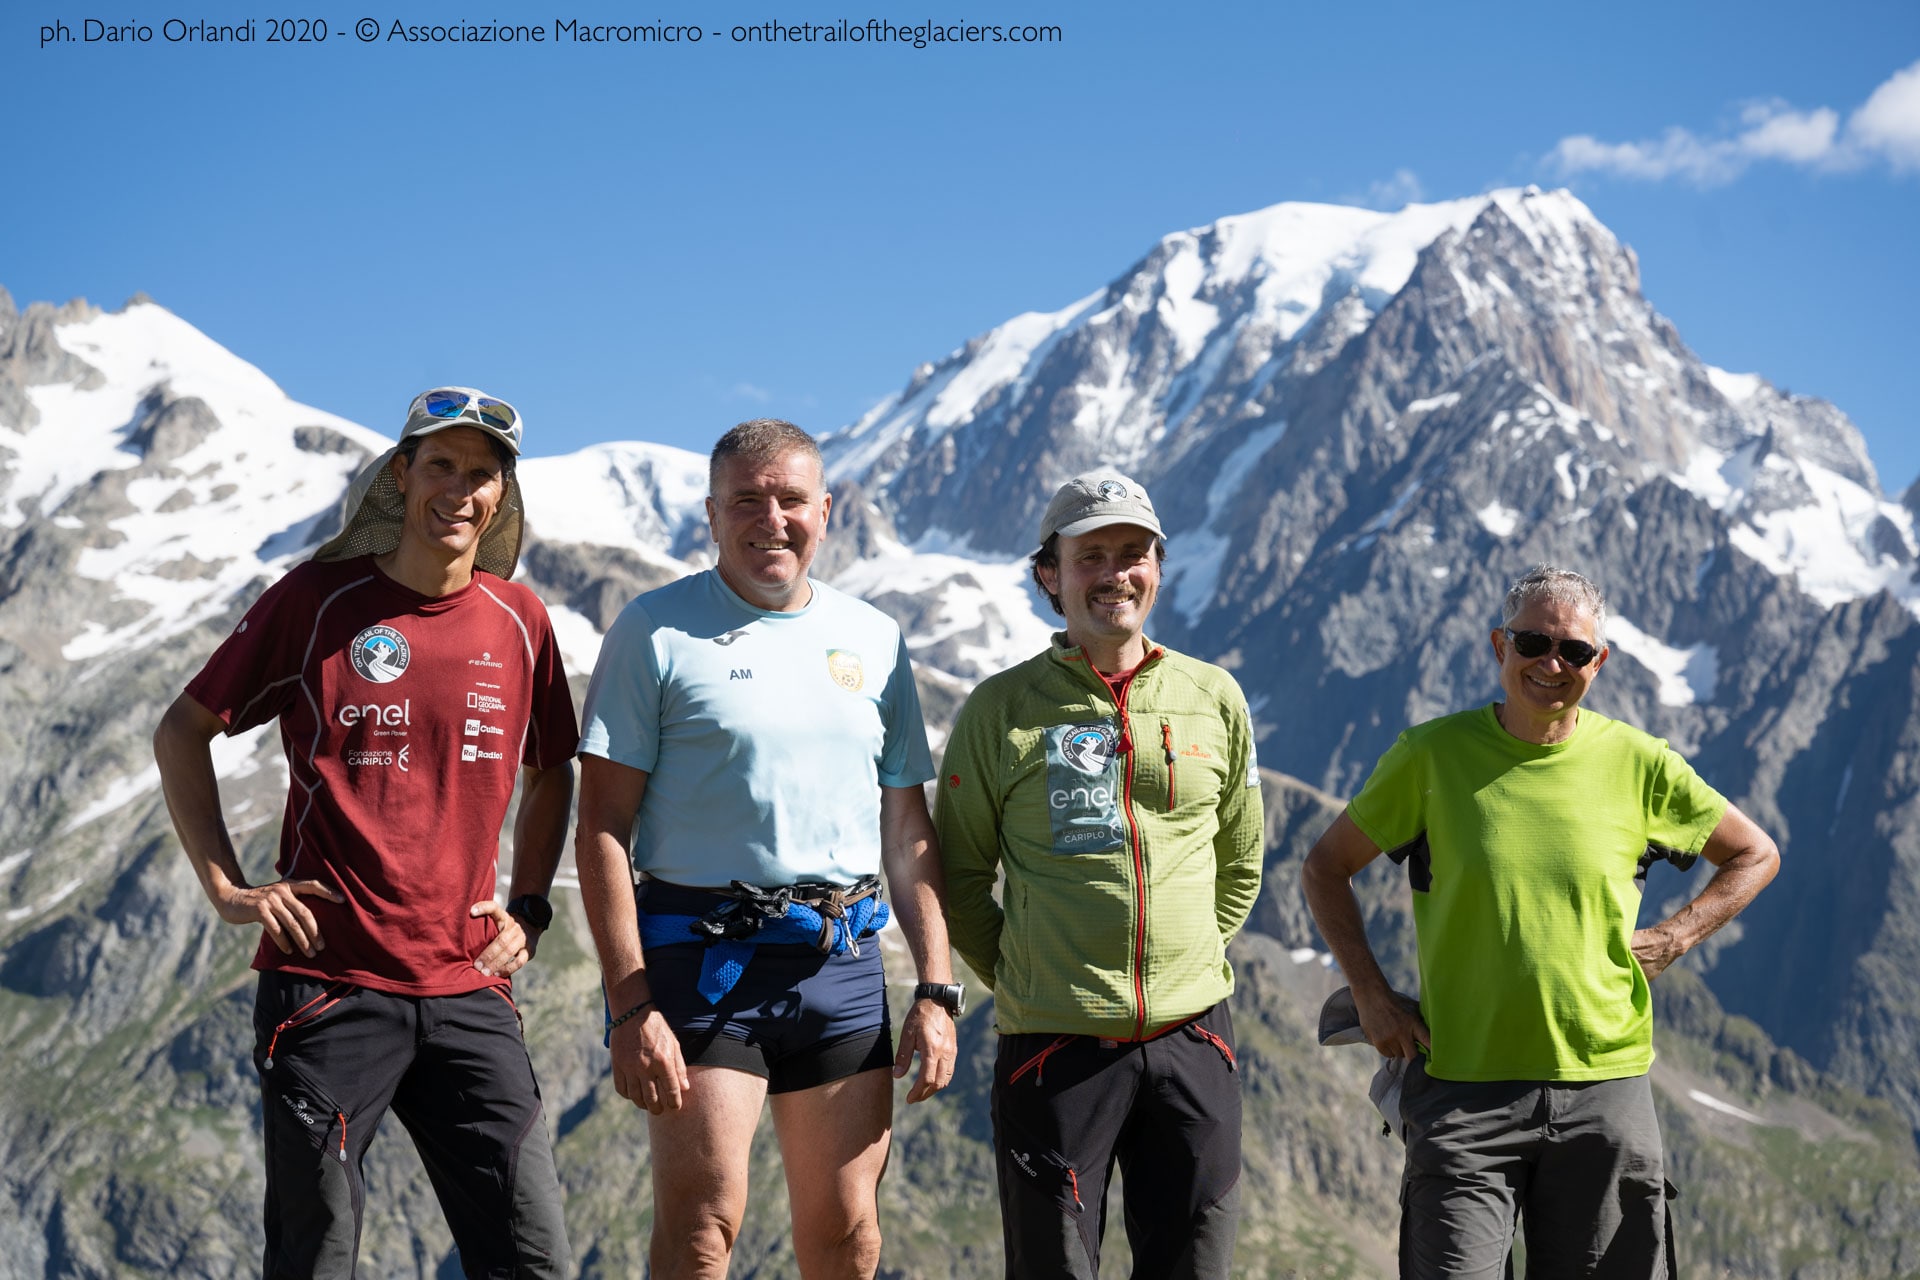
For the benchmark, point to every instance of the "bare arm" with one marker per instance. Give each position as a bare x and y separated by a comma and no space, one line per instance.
181,750
539,833
910,854
648,1069
1327,880
1745,859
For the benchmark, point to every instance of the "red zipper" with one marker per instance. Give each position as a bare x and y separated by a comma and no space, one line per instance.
1217,1042
1166,740
1133,829
1038,1062
332,995
1139,866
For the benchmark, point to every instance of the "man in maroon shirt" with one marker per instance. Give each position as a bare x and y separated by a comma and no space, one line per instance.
412,683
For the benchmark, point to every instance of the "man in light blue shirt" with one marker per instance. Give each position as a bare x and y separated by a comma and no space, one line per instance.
754,745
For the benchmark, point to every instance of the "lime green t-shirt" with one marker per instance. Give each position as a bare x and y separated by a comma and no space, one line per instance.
1527,914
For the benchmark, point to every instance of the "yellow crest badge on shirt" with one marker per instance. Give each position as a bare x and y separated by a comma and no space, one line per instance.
844,666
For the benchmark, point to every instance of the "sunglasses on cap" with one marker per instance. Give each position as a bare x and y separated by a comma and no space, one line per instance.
1536,644
449,403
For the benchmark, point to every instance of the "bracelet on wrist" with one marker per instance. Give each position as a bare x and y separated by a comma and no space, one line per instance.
631,1014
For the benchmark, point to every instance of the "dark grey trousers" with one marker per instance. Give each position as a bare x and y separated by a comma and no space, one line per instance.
1067,1108
334,1058
1579,1163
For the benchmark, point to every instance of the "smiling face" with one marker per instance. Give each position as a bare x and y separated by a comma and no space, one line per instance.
1543,694
452,490
1107,581
768,517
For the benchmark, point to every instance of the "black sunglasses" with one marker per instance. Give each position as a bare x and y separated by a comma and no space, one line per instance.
1535,644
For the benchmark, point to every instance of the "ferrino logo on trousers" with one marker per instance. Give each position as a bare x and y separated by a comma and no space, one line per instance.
380,654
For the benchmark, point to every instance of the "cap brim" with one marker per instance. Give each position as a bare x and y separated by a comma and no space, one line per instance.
1087,524
431,425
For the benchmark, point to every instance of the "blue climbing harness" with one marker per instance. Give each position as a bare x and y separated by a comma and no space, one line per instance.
827,917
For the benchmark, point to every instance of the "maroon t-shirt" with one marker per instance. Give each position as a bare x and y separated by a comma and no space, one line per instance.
405,720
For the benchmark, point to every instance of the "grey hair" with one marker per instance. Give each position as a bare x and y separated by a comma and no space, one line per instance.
760,440
1561,586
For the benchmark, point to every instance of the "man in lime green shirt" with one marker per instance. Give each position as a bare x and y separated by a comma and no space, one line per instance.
1523,825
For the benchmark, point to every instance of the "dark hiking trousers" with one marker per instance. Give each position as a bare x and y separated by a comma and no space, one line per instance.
1065,1108
333,1058
1581,1164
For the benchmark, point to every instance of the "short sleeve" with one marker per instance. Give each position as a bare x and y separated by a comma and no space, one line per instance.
905,760
622,712
1682,810
255,673
552,730
1391,808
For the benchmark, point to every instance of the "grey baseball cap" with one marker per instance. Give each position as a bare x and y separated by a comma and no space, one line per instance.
1340,1024
1095,499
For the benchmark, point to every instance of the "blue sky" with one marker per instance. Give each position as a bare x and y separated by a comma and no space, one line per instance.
654,241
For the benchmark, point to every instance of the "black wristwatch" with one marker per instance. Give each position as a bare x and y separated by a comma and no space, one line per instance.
534,911
949,995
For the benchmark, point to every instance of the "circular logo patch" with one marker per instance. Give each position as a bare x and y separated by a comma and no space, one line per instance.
380,654
1088,748
1112,490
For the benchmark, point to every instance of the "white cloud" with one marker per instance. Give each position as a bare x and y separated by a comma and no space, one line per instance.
1889,121
1776,131
1390,194
1677,153
748,391
1886,127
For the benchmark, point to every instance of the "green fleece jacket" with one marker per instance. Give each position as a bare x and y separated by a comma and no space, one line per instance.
1130,834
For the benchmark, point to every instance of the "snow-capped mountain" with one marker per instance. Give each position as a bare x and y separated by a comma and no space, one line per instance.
1357,427
1189,369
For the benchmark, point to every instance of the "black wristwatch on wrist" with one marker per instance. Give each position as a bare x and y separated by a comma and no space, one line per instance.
950,996
534,911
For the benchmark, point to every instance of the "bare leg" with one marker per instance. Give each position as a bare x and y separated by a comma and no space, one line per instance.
700,1173
833,1141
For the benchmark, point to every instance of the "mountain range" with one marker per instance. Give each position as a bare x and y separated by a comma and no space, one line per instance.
1357,428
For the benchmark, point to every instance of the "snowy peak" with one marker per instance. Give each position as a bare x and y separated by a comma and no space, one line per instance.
157,470
646,498
1202,334
1303,256
1264,373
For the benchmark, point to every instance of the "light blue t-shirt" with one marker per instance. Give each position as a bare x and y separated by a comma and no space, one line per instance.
766,736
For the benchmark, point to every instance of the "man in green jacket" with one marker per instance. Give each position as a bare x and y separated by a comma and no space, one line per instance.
1114,781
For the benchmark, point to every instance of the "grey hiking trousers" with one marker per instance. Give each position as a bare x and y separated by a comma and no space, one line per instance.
1579,1163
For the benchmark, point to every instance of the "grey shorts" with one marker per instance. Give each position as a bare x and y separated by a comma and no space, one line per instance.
1579,1164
